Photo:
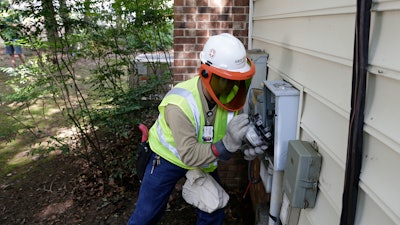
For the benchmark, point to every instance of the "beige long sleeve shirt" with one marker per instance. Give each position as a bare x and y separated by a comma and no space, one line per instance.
192,152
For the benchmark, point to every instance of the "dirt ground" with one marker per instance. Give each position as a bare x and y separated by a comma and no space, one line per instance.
57,190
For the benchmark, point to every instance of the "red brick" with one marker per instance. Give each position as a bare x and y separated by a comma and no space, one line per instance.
189,48
204,10
178,10
178,48
178,32
192,70
178,78
219,31
201,33
201,41
190,3
202,3
221,17
190,76
179,62
179,69
191,62
186,40
238,25
185,25
239,10
241,2
240,33
179,17
202,17
190,17
240,17
178,2
189,9
186,55
227,25
190,33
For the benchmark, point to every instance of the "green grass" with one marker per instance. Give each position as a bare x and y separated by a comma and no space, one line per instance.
16,142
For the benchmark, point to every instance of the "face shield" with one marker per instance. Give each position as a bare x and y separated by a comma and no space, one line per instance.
227,88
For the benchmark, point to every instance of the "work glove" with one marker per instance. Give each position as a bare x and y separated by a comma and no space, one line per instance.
254,144
252,152
233,138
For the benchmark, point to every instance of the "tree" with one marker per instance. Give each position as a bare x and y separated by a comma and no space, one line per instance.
109,35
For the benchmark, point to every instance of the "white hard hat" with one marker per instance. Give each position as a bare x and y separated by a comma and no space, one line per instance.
224,51
226,71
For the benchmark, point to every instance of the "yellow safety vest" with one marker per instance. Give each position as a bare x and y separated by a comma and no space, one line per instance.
186,96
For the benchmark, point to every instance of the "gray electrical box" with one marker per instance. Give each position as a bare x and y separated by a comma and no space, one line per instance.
300,180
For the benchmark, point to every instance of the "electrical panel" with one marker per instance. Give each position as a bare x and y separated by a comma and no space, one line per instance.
280,113
300,180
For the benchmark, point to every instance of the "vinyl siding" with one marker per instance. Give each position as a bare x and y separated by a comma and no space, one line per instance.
310,44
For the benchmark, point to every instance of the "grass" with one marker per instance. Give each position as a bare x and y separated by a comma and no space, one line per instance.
16,143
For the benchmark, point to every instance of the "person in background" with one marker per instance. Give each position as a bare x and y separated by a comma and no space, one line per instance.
198,124
10,33
12,49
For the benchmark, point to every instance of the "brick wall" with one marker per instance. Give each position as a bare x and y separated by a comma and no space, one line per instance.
195,21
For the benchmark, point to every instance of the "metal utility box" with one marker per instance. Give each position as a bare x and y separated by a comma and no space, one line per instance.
300,180
280,112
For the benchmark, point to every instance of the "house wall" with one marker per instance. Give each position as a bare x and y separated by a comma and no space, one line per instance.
310,44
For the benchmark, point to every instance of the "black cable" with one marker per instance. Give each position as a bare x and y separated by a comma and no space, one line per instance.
356,123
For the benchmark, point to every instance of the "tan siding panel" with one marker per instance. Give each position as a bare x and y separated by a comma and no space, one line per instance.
322,213
385,47
328,80
383,106
369,213
319,35
328,126
379,175
271,7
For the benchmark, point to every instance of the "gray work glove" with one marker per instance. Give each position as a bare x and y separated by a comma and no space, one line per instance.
252,152
233,138
254,144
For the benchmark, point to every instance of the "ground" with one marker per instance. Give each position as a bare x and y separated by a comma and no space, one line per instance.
58,190
54,191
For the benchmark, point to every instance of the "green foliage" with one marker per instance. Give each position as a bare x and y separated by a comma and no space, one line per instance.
84,64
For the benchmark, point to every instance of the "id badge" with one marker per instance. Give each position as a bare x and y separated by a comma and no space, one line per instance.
208,133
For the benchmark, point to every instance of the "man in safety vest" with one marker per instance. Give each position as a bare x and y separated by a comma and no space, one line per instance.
198,125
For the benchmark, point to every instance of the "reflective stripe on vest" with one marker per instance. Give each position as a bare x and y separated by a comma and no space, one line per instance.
192,103
195,110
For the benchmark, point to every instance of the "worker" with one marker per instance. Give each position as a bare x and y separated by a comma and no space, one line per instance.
198,124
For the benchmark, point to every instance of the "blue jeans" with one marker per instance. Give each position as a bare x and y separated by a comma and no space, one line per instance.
13,48
155,191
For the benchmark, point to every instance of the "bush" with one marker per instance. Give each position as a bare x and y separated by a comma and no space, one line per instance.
84,58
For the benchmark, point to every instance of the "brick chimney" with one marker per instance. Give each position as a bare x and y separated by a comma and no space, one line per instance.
195,21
